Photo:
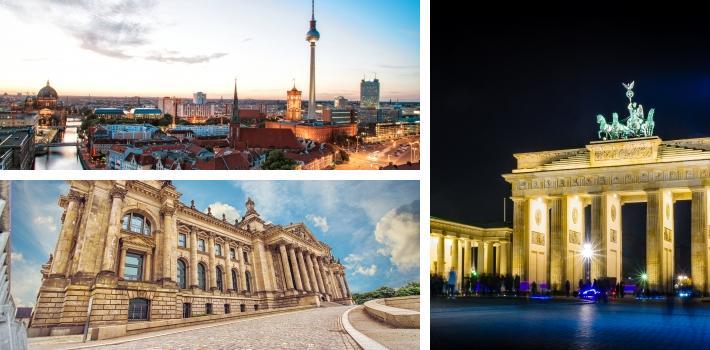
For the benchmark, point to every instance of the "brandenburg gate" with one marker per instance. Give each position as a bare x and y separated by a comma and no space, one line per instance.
551,189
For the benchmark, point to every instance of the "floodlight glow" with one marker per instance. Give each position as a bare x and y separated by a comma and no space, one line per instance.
587,251
644,276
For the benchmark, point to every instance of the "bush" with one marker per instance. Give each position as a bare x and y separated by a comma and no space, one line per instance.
411,288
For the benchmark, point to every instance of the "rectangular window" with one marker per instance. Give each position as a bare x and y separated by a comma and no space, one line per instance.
232,253
138,309
186,310
227,309
208,308
182,240
218,250
201,245
246,257
133,268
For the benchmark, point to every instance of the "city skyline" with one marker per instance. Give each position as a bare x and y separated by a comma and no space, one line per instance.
116,52
376,241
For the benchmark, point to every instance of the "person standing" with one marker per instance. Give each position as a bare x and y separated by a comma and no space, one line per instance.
452,283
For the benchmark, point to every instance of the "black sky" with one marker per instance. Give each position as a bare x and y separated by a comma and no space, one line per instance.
517,79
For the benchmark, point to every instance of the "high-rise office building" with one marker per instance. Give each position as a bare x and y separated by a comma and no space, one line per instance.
199,98
341,102
370,93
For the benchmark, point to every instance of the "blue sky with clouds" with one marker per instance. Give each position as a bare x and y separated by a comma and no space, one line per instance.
372,226
176,47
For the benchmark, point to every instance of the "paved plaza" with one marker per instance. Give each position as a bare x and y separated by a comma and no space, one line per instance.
553,324
311,329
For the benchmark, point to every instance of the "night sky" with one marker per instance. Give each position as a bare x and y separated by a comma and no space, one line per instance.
517,81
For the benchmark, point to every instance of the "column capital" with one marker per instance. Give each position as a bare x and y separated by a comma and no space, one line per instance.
699,188
167,210
75,195
118,192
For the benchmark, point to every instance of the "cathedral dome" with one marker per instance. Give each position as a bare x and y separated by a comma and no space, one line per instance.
47,92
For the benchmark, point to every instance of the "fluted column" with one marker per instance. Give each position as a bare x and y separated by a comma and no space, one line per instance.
504,247
213,265
294,270
654,225
193,258
108,263
64,243
598,236
699,238
440,262
262,273
455,263
311,273
169,244
466,259
342,285
334,286
480,261
319,278
519,266
324,276
242,269
488,250
557,253
287,269
228,267
304,272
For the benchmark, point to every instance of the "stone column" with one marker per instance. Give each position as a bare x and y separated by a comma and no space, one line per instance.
480,259
699,238
169,244
193,258
319,277
108,264
599,235
242,269
302,269
557,253
455,264
440,256
520,206
324,276
466,259
489,257
64,243
653,239
504,247
148,267
497,250
287,269
122,263
311,273
262,273
213,266
342,285
228,267
336,289
294,270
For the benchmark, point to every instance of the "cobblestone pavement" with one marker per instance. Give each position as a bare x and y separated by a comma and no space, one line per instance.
310,329
513,324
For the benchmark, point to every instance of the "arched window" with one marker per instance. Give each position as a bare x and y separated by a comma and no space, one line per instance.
219,279
248,278
138,309
136,223
234,280
201,277
181,274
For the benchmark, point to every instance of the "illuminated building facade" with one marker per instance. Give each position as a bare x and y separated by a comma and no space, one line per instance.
293,104
370,94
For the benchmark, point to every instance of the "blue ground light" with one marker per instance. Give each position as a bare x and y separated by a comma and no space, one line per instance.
474,323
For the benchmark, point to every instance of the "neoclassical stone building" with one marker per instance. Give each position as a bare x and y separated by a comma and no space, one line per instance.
141,255
551,189
468,248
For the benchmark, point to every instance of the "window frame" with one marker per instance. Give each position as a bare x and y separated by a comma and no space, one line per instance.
201,246
146,227
202,280
184,242
182,285
132,311
139,267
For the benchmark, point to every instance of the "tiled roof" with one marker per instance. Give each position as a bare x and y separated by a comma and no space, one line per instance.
268,138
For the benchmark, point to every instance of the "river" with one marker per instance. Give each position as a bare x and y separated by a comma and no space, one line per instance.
64,157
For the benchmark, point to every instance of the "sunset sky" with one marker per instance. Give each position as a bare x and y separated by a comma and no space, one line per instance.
166,48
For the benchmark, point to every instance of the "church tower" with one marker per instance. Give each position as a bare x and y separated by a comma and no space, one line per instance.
234,122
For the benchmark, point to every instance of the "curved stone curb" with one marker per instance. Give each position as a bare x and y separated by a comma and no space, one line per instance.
365,342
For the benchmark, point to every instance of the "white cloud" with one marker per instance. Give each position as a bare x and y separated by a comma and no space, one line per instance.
17,257
366,271
353,258
26,280
398,232
318,221
219,208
